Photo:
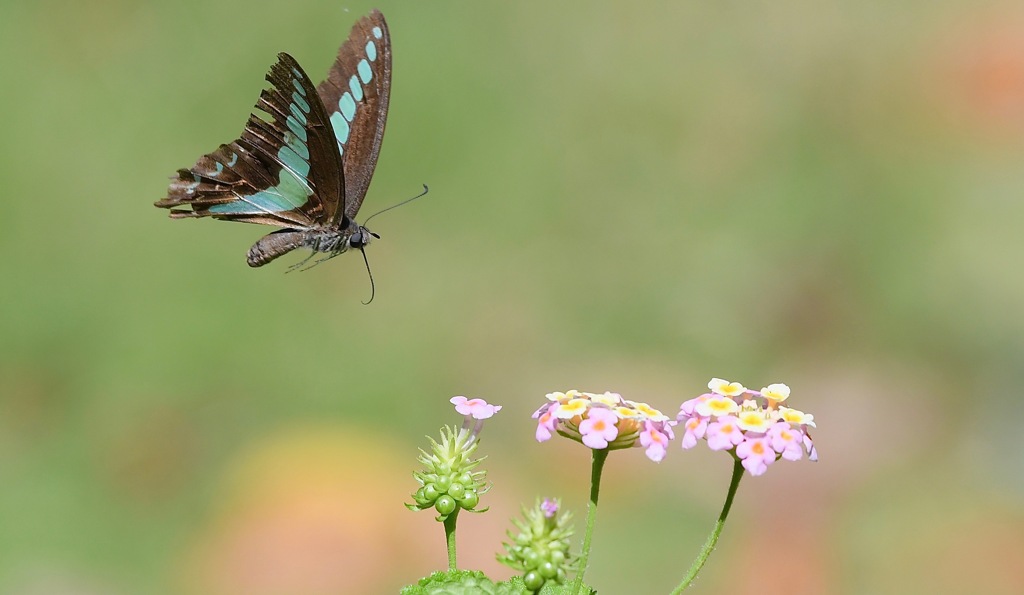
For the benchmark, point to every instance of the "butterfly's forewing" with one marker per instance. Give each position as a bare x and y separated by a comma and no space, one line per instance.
355,94
283,171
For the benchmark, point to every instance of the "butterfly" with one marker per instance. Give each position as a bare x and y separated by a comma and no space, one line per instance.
305,163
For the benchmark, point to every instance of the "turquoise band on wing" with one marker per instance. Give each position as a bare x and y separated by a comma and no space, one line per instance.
348,103
297,129
355,88
298,99
365,74
293,188
341,130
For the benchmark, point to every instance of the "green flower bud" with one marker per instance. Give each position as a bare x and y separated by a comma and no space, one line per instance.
445,505
533,580
469,500
541,548
457,491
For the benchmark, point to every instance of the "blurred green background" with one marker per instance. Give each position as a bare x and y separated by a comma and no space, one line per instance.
629,196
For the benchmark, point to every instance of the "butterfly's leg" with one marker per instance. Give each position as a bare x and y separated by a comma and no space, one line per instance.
324,259
299,265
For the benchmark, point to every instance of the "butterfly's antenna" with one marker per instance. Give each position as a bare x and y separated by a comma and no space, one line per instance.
373,289
406,201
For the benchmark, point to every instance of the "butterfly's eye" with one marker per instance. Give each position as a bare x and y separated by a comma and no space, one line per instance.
361,238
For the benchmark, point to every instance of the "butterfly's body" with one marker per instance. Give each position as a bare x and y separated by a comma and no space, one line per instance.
332,241
304,167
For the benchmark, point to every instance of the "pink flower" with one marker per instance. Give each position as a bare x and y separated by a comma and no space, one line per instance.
724,433
786,441
654,438
475,408
475,411
694,429
546,423
599,428
688,408
756,455
812,453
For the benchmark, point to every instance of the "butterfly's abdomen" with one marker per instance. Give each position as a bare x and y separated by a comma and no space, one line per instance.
270,246
273,245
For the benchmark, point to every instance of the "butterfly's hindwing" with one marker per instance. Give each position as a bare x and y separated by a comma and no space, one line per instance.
283,171
355,94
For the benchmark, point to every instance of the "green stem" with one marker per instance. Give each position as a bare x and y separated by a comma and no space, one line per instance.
595,487
709,545
449,537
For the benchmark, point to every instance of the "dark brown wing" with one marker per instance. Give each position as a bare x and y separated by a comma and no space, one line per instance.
283,171
356,93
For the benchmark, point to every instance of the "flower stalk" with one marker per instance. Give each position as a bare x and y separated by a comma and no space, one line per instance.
449,537
709,545
595,490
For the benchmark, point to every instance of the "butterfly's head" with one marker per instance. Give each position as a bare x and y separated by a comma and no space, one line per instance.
361,238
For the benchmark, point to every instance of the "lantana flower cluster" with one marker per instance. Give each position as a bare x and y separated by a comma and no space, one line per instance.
604,420
752,425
